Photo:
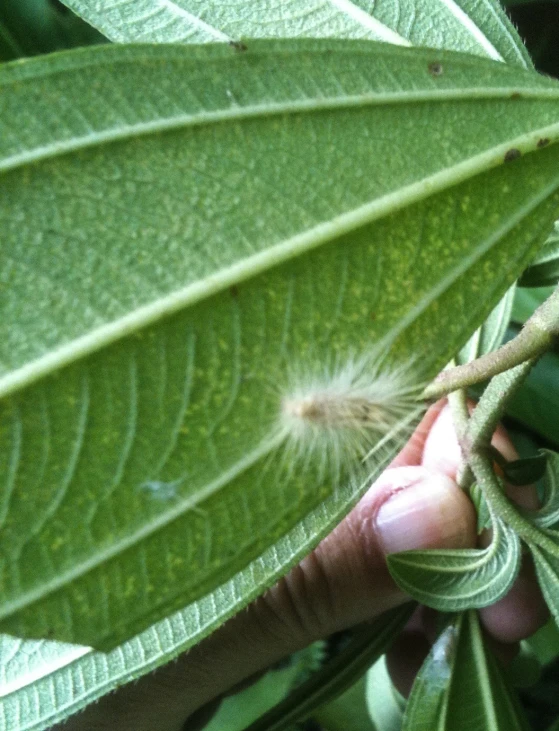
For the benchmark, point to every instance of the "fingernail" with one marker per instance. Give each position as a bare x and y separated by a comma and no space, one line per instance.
433,513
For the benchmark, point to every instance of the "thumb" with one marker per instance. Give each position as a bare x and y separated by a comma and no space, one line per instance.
345,580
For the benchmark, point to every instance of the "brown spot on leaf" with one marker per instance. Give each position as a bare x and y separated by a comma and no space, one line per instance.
516,95
234,291
543,142
238,46
435,68
512,154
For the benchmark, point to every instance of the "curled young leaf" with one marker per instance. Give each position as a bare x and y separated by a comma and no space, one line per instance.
452,580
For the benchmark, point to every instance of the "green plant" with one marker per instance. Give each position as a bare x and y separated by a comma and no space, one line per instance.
172,216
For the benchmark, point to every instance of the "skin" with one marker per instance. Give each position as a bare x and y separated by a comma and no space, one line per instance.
344,581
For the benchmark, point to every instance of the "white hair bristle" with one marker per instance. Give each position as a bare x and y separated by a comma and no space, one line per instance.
348,414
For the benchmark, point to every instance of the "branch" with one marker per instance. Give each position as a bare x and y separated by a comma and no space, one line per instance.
533,340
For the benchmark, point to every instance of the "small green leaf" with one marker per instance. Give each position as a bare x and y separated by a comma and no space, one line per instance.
527,470
454,580
348,712
237,711
385,704
482,509
545,642
460,686
547,569
526,300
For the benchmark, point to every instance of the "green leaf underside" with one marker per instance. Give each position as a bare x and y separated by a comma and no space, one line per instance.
460,687
454,580
462,25
547,569
225,194
474,27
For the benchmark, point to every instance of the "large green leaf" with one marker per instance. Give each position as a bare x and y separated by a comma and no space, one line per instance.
453,580
460,687
461,25
201,228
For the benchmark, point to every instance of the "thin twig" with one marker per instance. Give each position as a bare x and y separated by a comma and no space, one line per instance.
537,336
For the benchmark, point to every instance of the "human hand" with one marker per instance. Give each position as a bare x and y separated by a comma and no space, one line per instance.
414,504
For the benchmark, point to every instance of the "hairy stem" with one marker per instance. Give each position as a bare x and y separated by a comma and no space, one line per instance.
533,340
491,406
482,468
458,402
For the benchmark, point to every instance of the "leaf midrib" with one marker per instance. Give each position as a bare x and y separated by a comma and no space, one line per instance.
237,113
281,253
472,28
210,29
483,676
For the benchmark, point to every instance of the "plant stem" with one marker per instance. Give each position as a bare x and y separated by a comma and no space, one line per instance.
533,340
482,468
458,402
491,406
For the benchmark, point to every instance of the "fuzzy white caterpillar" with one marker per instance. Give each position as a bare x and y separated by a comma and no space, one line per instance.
347,414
